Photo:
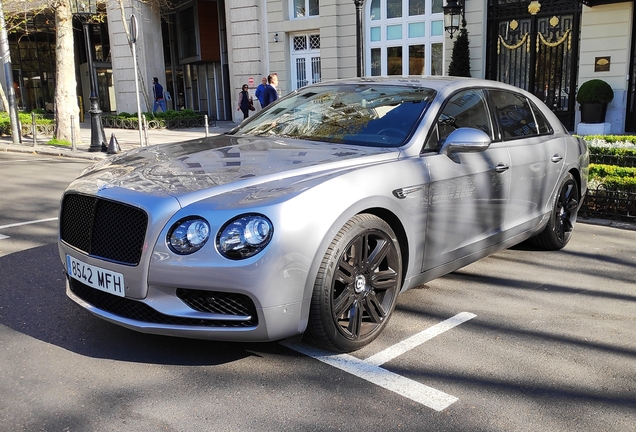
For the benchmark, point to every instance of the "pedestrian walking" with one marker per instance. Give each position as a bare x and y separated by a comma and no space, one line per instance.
260,90
270,93
245,103
157,91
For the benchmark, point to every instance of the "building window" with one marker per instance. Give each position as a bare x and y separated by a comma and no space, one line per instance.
405,37
305,60
305,8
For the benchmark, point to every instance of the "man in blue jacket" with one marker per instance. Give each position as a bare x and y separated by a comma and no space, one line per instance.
157,92
270,94
260,90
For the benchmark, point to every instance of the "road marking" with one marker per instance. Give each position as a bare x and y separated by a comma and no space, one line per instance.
371,371
23,223
27,223
406,387
408,344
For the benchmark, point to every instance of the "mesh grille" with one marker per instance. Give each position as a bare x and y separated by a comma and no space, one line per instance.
217,302
138,311
103,228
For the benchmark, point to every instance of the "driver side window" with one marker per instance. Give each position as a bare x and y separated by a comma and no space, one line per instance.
464,109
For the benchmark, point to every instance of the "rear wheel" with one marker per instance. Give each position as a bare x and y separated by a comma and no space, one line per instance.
357,285
558,231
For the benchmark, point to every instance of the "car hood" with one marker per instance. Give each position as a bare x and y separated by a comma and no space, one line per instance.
209,166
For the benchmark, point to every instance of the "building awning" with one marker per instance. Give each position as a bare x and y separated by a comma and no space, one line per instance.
592,3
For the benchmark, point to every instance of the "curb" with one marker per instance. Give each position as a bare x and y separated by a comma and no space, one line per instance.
608,223
49,150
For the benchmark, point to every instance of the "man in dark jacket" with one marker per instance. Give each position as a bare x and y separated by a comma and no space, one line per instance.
270,94
157,91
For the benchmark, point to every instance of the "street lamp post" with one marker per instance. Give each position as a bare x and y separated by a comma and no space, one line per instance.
360,61
84,10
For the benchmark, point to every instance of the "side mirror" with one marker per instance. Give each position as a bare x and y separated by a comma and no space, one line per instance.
466,140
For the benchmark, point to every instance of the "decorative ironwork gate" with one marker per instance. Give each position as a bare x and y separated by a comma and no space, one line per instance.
535,47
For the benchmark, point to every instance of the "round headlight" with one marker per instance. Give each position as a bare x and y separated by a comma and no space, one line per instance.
188,235
244,236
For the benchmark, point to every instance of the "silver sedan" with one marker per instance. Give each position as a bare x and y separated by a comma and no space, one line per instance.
312,216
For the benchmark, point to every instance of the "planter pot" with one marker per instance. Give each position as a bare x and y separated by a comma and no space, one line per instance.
593,112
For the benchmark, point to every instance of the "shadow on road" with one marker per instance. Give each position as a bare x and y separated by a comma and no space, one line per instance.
33,302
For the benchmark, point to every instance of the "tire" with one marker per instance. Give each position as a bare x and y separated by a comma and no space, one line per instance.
357,285
558,231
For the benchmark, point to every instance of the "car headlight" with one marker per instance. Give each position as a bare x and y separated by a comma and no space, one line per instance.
188,235
244,236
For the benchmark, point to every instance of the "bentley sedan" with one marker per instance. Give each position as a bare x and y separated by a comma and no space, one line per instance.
312,216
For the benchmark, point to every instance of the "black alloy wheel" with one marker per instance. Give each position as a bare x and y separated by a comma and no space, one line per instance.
559,229
357,285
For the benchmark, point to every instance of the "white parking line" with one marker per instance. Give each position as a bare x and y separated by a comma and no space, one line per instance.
371,371
27,223
23,223
408,344
406,387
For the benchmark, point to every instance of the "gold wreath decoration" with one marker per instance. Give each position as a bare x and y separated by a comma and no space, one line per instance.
567,35
501,41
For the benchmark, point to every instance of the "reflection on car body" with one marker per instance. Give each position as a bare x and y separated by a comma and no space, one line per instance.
313,215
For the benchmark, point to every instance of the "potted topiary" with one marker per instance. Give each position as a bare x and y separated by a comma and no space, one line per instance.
593,96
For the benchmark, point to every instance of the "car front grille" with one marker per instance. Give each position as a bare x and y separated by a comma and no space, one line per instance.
233,304
103,228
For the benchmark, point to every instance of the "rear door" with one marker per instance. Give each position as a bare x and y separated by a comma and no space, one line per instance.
536,157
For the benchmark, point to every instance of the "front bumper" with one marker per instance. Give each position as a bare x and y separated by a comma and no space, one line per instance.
168,314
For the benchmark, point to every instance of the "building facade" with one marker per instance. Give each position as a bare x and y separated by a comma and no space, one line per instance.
203,51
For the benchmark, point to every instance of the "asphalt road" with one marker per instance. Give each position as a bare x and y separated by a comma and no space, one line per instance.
523,340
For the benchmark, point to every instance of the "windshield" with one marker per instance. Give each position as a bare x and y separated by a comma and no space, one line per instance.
360,114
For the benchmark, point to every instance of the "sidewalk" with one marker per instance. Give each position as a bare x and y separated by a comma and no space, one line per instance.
128,139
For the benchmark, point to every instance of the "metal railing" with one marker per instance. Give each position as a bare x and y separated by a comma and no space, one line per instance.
602,202
177,123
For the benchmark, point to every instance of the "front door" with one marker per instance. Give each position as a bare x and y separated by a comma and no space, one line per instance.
468,191
534,46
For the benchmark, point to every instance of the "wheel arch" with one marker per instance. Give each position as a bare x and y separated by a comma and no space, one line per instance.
577,177
398,228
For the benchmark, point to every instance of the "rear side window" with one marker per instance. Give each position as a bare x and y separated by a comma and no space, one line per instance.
542,123
515,115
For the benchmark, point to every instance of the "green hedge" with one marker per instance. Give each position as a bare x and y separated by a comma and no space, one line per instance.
620,152
598,170
613,177
170,119
25,119
611,139
612,150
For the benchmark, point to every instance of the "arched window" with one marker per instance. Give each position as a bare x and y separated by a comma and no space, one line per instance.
404,37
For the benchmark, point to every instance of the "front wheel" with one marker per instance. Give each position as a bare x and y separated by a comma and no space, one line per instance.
558,231
357,285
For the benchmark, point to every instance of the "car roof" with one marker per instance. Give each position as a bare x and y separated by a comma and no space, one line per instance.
434,82
446,85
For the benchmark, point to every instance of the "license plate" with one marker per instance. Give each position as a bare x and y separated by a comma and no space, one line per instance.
95,277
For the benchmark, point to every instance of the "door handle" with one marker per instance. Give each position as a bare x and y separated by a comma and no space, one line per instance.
501,167
557,158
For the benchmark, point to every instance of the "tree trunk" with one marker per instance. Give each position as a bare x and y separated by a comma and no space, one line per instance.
66,104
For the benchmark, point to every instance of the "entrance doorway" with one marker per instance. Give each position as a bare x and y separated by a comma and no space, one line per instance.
535,47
